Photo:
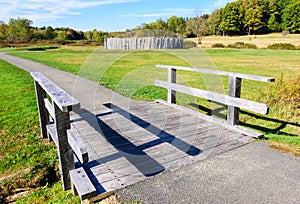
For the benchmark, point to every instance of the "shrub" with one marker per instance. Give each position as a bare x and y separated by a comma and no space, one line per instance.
282,46
60,41
41,48
218,45
285,93
189,44
250,46
242,45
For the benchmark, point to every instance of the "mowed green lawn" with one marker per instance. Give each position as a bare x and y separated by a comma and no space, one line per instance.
133,74
21,145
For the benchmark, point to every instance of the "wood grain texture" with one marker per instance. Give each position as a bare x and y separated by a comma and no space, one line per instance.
221,73
77,146
81,184
171,79
234,90
134,143
220,98
63,100
215,120
49,107
143,43
64,150
43,114
52,134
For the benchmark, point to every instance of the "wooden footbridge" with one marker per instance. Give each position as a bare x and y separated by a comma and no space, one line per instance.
103,151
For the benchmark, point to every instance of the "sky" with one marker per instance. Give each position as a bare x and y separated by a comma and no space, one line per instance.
105,15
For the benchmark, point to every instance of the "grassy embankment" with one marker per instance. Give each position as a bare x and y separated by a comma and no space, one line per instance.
26,161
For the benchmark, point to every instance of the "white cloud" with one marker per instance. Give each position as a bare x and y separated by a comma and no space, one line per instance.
46,10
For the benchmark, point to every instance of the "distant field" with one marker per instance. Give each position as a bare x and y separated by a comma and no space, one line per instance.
261,41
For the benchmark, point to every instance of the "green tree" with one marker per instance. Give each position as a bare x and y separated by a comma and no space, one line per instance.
161,24
49,33
176,25
253,19
273,24
214,21
3,31
20,29
291,17
232,18
88,35
61,35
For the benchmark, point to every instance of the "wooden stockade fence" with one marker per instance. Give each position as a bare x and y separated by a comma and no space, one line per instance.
233,100
116,148
144,43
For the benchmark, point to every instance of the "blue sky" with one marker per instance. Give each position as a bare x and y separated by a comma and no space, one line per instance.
105,15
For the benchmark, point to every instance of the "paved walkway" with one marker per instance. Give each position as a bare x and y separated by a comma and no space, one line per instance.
250,174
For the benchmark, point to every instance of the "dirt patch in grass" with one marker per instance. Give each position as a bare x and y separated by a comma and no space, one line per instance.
109,200
285,148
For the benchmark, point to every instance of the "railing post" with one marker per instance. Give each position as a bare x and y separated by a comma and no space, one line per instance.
234,90
64,150
171,79
43,113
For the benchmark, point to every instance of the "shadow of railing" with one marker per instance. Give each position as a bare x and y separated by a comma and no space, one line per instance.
217,112
136,155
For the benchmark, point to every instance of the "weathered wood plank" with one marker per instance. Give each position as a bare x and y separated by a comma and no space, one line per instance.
215,120
234,86
171,79
64,150
222,73
227,100
49,107
81,184
64,101
52,133
143,43
77,146
43,114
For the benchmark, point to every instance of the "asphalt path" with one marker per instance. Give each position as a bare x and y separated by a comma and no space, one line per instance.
253,173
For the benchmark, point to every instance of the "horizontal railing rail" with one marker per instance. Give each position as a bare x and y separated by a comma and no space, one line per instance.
232,100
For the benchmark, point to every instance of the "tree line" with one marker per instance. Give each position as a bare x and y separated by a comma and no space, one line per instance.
240,17
20,30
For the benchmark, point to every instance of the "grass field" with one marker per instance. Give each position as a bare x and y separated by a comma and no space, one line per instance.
261,41
133,73
21,149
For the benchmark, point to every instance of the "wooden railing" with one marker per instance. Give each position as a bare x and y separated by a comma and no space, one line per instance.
54,106
232,100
